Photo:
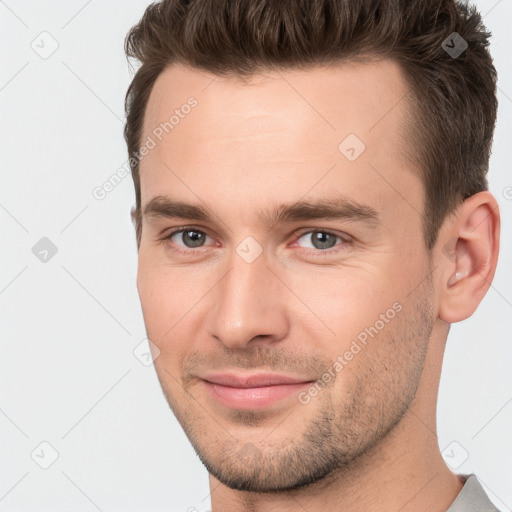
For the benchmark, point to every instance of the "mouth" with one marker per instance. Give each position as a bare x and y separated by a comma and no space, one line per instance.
256,391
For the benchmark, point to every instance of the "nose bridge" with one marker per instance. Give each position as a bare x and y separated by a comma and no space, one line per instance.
249,301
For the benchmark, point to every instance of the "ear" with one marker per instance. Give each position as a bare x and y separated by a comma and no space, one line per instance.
132,214
468,256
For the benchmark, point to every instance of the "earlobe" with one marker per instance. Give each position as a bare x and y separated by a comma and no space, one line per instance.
468,260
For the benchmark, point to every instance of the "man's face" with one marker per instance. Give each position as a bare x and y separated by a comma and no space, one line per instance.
347,297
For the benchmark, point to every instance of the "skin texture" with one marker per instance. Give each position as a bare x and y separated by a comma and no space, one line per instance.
367,440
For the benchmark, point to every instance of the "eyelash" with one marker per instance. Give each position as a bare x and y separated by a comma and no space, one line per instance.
315,252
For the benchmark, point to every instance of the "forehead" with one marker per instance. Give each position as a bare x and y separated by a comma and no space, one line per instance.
362,97
279,132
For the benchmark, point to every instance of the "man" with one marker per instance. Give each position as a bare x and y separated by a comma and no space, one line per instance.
312,214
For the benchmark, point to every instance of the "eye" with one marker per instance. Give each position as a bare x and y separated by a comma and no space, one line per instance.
190,239
324,241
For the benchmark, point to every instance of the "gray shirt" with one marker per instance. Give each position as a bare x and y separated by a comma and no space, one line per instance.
472,497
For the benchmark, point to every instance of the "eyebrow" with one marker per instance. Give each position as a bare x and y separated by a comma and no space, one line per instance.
341,208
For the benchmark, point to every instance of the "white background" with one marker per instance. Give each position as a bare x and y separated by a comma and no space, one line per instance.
68,375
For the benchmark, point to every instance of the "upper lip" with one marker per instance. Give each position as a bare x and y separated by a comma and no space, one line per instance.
253,380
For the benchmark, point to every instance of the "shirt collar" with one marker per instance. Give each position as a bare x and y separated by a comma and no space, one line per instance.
472,497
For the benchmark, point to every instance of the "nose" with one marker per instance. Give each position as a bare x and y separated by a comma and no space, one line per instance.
250,305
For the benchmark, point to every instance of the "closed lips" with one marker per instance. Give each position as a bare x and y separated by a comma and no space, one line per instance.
253,381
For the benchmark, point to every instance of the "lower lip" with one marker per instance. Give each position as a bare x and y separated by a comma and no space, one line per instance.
253,398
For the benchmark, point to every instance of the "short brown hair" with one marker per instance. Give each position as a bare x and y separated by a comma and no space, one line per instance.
453,99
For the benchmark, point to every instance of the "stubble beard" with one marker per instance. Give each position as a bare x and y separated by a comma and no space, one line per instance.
343,428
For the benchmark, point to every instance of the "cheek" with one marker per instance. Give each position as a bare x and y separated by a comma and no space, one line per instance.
345,301
169,304
159,300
